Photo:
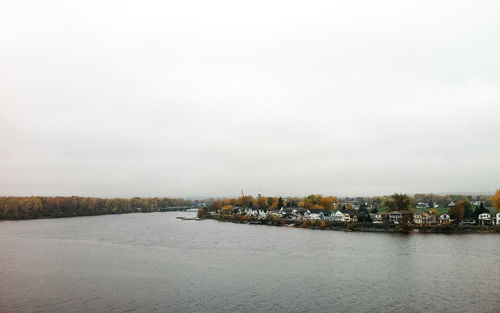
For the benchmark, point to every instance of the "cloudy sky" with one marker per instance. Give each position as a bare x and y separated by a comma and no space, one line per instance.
207,98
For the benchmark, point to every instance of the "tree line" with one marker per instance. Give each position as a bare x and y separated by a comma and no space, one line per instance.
40,207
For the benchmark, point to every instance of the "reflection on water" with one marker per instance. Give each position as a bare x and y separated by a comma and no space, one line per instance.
154,262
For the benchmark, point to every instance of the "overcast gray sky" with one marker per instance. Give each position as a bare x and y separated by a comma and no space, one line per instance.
205,98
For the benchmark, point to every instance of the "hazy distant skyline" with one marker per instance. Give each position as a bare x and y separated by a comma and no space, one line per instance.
196,98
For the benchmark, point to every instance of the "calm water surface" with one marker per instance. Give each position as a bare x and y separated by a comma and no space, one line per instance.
156,263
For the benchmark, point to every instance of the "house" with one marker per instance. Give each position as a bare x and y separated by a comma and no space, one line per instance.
469,221
313,214
428,218
394,217
252,212
347,217
400,217
322,214
444,218
484,219
497,219
418,219
297,214
338,216
422,205
451,204
376,218
406,217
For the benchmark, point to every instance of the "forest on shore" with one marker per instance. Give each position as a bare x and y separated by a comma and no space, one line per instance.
46,207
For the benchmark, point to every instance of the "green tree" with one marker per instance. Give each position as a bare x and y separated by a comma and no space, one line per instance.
280,203
480,210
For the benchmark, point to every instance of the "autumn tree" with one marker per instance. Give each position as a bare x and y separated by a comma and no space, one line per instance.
399,202
328,202
245,201
457,211
216,205
496,200
261,203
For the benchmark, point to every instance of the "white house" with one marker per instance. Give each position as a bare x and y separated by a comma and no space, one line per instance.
395,216
485,218
313,216
338,216
469,221
252,212
497,222
376,218
347,217
444,218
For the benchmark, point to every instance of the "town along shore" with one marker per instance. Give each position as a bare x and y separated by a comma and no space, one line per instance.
389,227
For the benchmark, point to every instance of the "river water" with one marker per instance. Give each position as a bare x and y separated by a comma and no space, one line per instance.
157,263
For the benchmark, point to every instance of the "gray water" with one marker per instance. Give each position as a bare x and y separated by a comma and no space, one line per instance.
156,263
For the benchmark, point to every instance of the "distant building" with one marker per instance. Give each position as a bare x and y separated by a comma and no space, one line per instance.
469,221
444,218
376,218
484,219
394,217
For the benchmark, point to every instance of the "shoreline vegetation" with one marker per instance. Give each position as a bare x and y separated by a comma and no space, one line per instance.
22,208
398,213
424,213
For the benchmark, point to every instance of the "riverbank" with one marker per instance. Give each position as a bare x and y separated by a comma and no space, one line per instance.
357,227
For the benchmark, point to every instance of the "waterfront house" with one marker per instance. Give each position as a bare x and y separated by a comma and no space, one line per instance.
429,218
338,216
376,218
444,218
424,218
263,213
321,214
252,212
346,217
418,219
485,219
469,221
313,214
400,217
298,214
394,217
